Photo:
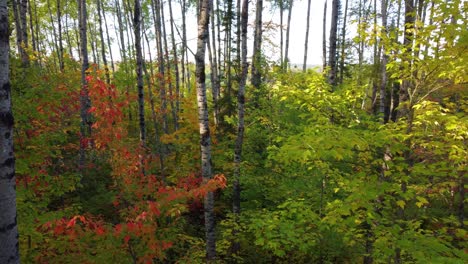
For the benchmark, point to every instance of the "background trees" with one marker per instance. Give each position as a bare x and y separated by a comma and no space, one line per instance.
362,162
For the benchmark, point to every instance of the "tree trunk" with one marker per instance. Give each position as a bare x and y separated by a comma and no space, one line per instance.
205,141
240,127
139,72
55,47
343,42
31,27
16,6
286,51
306,43
161,67
60,39
153,112
176,69
324,37
168,77
108,37
9,252
333,40
408,43
281,6
103,45
383,65
24,32
257,49
85,104
214,68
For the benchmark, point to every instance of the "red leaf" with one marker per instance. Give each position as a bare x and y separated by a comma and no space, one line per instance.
71,223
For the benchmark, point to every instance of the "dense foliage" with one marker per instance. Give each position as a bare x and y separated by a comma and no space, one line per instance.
324,177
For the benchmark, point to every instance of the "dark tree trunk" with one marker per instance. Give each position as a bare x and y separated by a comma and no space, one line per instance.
343,42
214,68
24,32
139,72
257,49
324,37
85,103
240,127
60,38
333,40
9,251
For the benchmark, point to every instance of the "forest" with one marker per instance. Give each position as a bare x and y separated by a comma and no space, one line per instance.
125,140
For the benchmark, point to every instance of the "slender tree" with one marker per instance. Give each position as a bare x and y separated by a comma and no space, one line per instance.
333,42
343,41
257,48
176,69
205,140
383,65
306,43
240,113
324,36
103,45
85,103
9,252
60,38
288,29
139,71
24,32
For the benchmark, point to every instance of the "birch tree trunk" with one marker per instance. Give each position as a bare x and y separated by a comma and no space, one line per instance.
9,252
205,140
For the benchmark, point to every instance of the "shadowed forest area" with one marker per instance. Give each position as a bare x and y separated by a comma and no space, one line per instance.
123,141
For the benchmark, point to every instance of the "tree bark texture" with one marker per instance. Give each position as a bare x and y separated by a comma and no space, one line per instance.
205,139
333,40
85,103
257,50
9,250
139,71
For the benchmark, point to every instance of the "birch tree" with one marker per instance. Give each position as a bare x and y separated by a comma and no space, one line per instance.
205,139
9,252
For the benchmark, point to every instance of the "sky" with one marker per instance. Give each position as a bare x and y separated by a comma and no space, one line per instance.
297,32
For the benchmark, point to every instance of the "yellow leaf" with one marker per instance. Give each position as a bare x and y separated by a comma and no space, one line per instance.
401,203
